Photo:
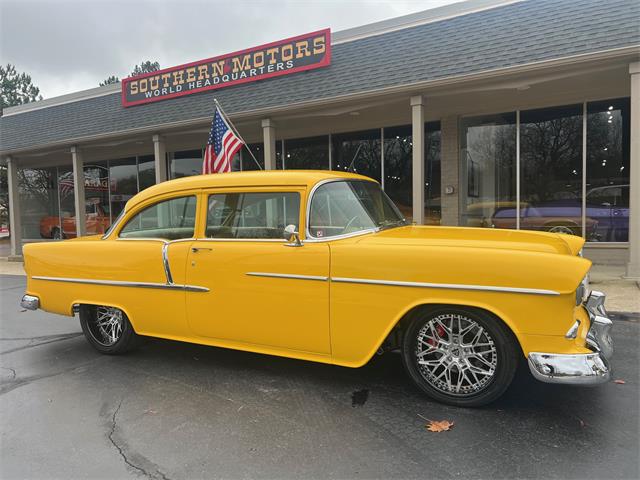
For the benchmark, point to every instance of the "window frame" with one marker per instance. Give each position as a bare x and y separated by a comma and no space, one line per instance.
204,206
130,215
307,223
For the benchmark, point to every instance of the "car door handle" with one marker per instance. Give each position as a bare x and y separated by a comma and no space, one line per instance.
198,249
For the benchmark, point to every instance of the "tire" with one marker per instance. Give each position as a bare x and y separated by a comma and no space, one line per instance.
123,338
460,374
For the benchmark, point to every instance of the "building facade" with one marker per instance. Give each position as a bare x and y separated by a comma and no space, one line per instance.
486,113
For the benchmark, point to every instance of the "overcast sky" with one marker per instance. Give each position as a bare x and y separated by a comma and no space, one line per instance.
71,45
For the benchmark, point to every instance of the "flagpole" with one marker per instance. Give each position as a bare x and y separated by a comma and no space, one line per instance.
235,130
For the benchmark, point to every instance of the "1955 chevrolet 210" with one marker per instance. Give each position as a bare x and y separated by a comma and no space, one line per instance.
322,266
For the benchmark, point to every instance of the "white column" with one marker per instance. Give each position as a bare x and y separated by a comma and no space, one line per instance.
160,155
417,121
269,138
15,225
633,267
78,191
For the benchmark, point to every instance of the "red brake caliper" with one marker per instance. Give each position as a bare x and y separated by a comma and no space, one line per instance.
440,331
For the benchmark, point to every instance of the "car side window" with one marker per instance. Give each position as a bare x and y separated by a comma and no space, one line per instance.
252,215
170,220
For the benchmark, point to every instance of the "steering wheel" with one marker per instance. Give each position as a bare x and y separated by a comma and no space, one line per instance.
349,223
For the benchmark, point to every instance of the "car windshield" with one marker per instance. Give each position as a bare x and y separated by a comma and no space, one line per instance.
344,207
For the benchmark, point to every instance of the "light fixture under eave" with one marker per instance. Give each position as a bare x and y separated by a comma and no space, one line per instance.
522,88
354,114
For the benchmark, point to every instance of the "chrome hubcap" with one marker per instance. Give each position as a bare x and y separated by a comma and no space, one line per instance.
107,327
456,355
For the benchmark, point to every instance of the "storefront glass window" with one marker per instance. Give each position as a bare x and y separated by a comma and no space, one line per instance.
39,202
551,170
307,153
67,206
398,168
123,183
96,196
185,164
358,152
488,171
607,189
432,208
248,163
146,172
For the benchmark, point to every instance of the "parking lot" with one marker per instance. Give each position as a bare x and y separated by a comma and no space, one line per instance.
171,410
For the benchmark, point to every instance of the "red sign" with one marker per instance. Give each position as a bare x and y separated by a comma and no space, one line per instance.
297,54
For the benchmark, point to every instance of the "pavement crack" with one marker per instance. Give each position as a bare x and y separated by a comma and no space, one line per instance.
58,338
122,450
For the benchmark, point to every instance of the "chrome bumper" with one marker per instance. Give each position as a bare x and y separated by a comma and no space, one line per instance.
583,368
30,302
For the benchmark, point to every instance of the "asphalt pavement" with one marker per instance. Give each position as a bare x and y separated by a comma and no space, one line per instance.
170,411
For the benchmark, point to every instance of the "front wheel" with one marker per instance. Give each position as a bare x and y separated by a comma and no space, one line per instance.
459,356
107,329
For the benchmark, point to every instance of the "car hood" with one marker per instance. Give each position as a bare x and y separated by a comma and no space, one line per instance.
415,235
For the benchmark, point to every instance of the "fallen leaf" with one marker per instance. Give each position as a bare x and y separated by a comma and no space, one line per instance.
619,382
439,426
150,412
582,424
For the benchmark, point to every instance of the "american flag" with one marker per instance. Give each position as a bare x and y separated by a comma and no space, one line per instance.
222,145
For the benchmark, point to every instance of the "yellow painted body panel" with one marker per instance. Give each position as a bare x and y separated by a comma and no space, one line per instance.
313,319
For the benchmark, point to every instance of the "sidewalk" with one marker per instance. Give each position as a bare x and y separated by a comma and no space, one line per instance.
622,295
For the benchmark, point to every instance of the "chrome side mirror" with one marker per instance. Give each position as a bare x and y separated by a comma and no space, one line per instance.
292,235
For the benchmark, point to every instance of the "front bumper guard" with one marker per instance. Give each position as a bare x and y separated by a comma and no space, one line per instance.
580,368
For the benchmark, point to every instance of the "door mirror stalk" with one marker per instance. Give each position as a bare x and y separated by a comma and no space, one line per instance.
292,235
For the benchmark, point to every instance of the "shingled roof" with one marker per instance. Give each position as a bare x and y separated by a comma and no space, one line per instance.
501,37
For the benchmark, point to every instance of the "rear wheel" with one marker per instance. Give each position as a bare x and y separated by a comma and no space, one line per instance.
107,329
459,356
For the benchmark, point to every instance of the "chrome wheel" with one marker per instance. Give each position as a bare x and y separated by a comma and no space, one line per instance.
456,355
107,325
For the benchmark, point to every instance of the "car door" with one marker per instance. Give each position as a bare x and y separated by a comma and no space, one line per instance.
262,291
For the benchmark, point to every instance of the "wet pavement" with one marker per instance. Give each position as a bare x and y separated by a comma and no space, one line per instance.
170,410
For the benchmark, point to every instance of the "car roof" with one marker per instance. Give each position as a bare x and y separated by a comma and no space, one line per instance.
306,178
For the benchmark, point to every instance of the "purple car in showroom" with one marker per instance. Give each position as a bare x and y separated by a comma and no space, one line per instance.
607,215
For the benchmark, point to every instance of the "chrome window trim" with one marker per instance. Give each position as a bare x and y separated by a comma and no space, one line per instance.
122,283
288,275
307,232
272,240
448,286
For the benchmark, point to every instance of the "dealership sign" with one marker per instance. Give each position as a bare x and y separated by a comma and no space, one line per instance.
304,52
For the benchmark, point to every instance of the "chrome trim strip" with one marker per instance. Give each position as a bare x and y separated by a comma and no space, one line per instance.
122,283
165,263
450,286
288,275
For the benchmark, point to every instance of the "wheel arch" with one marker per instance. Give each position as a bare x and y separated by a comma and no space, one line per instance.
400,323
76,304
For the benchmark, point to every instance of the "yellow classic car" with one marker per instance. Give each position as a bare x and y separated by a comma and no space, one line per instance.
321,266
